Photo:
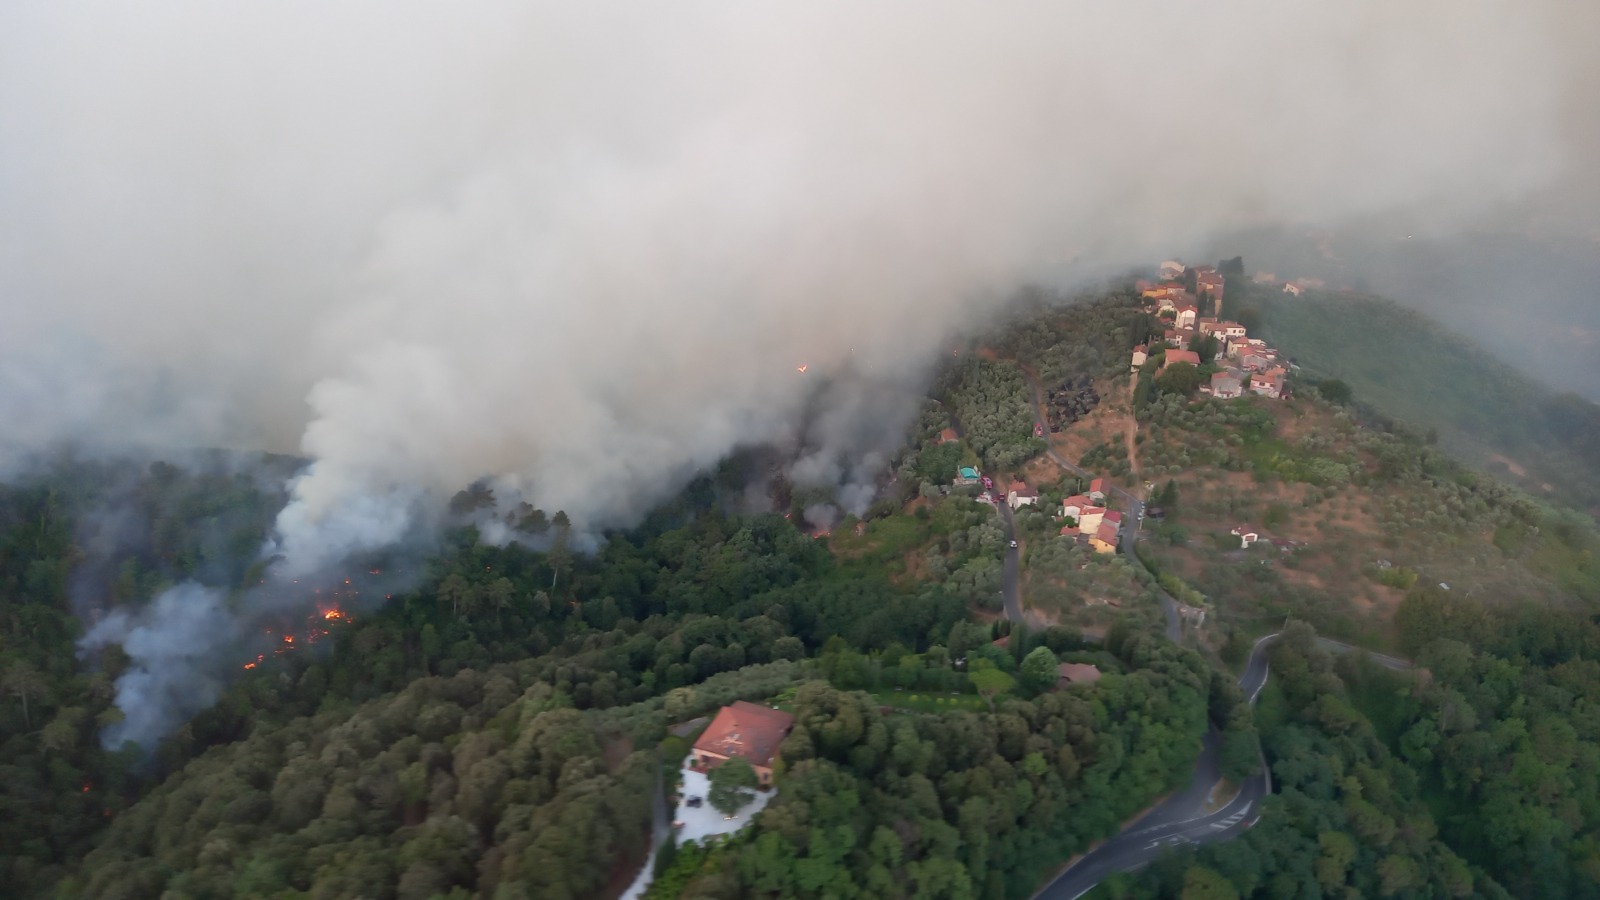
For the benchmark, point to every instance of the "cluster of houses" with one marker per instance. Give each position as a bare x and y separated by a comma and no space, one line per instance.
1089,521
1248,365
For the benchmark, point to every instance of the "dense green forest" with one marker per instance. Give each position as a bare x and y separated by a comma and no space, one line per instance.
494,731
964,804
87,536
1474,777
990,400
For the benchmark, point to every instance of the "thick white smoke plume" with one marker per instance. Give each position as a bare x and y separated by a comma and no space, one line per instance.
582,249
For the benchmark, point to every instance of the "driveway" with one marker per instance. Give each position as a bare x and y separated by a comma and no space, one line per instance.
697,823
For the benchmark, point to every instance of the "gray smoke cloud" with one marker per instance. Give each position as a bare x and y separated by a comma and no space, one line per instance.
582,250
176,648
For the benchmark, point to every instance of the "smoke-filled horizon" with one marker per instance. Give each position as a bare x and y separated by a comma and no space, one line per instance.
581,251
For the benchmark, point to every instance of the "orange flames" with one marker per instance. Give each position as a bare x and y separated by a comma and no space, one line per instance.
802,368
332,614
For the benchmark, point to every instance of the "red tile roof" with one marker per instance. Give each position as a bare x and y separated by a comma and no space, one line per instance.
746,730
1107,532
1112,516
1077,673
1182,356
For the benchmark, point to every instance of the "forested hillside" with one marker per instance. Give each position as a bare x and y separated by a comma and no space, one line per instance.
963,804
495,731
83,537
497,728
1476,779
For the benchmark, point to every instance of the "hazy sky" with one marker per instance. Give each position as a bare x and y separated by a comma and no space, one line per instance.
583,247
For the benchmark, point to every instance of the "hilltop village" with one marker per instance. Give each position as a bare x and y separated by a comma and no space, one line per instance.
1223,362
1189,299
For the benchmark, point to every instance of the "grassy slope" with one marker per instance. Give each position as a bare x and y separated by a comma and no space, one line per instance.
1409,368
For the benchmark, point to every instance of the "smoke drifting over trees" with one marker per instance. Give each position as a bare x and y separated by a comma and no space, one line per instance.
585,251
581,252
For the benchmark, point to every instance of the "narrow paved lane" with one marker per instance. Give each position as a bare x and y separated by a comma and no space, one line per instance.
1131,503
1010,582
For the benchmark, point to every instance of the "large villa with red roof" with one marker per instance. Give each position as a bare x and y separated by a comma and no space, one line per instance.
749,731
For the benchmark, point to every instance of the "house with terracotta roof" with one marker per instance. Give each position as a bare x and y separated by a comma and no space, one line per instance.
1076,673
1089,522
1021,495
1170,268
749,731
1140,354
1177,337
1209,283
1226,386
1073,506
1106,534
1268,383
1222,328
1097,489
948,436
1181,356
1186,315
1245,535
1245,345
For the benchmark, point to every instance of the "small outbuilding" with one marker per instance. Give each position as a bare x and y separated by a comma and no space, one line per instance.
1076,673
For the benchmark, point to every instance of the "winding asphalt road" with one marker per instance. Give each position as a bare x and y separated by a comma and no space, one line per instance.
1181,818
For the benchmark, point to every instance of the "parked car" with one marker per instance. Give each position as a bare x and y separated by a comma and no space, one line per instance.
1013,545
696,801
